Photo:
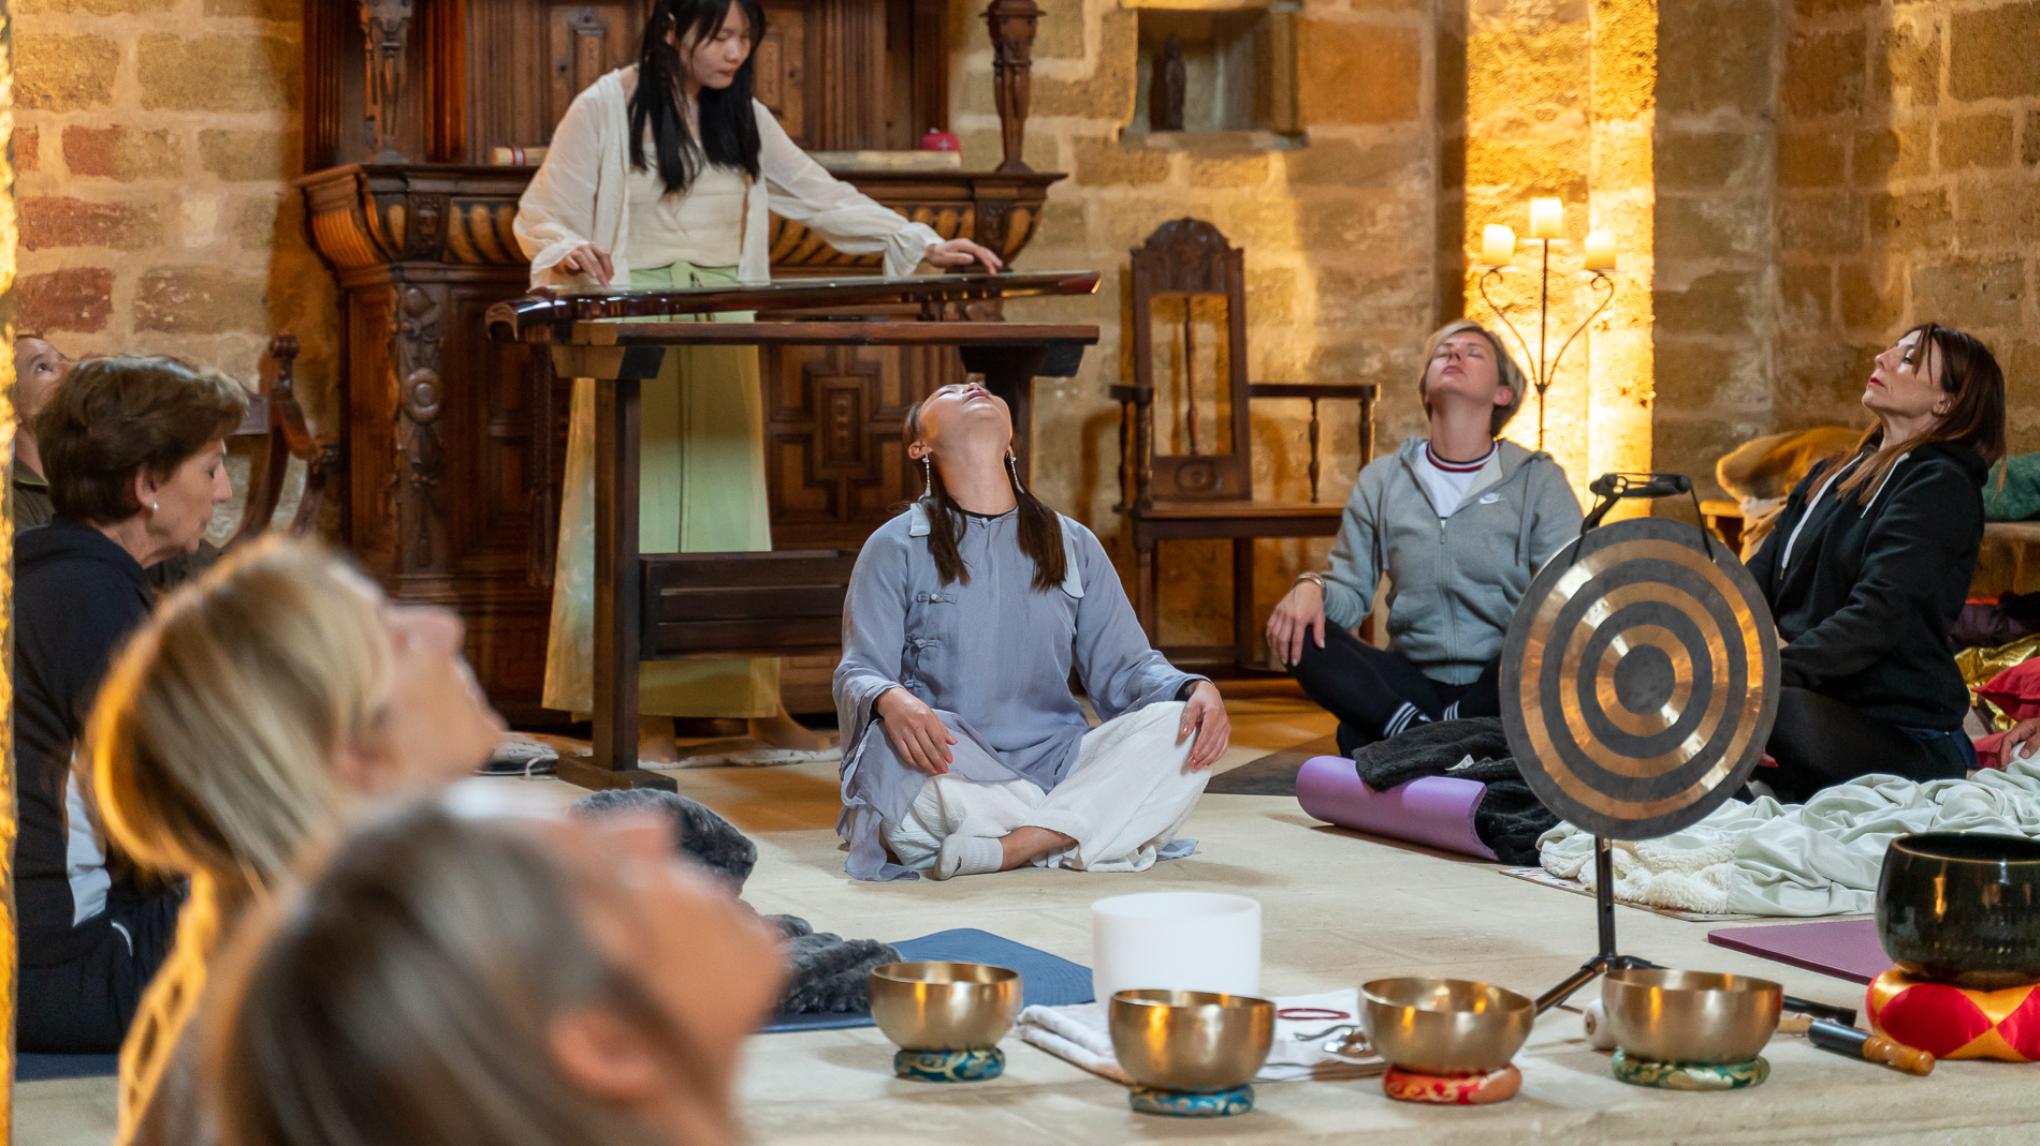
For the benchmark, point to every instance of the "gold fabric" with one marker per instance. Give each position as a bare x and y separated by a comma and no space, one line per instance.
1978,666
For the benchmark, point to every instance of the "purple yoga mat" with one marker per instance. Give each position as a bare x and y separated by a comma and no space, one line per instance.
1846,948
1436,811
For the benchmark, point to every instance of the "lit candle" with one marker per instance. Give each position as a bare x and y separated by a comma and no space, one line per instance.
1547,219
1600,250
1497,245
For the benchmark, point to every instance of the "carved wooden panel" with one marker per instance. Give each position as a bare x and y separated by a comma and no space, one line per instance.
834,416
783,65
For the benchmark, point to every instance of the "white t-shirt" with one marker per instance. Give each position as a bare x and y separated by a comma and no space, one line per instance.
1448,483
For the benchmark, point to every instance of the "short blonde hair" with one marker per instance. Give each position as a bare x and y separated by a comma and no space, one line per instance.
1506,371
213,741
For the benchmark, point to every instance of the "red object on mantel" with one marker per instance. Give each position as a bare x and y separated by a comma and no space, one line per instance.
940,140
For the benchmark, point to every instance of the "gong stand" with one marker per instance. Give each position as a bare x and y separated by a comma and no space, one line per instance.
1610,489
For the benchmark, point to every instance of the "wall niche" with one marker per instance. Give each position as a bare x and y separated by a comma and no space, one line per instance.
1224,75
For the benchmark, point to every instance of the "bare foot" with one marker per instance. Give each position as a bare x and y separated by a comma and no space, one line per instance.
655,740
1023,846
783,731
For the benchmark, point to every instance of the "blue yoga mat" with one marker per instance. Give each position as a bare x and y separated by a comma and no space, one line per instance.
50,1067
1045,980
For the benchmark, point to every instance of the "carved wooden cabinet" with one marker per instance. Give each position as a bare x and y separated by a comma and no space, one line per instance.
454,443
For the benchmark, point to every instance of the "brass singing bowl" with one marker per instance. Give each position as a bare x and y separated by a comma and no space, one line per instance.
1191,1040
944,1006
1690,1016
1445,1026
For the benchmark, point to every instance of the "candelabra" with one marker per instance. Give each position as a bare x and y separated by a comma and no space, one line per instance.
1498,250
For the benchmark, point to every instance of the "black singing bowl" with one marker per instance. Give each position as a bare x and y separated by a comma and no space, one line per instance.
1962,908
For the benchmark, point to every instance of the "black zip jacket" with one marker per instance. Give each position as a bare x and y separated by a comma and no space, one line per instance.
1865,595
77,596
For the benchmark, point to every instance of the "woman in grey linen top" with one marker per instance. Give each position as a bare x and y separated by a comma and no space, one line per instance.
985,657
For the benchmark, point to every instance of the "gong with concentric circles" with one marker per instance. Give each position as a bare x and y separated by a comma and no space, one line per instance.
1639,679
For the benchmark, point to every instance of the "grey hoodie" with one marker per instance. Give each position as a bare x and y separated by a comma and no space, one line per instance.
1455,581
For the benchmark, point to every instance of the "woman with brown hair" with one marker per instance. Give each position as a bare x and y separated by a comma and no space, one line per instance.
134,451
462,972
1868,566
337,694
964,751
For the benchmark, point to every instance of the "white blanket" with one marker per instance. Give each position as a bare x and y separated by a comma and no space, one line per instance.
1817,858
1080,1034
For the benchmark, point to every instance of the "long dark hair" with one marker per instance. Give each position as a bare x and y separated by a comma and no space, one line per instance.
1975,421
1040,528
729,126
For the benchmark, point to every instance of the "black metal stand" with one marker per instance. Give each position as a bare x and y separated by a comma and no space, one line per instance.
1609,959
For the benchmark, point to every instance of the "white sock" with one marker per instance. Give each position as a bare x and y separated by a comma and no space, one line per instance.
968,855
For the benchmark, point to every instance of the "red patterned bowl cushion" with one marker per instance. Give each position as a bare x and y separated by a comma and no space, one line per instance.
1950,1022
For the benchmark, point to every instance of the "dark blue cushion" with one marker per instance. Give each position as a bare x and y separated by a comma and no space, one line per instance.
1045,980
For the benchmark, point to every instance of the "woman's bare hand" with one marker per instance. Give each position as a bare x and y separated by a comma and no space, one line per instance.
918,736
591,260
2022,734
962,253
1204,716
1300,612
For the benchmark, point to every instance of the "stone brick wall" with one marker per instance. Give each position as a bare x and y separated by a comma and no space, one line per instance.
1908,154
156,139
1339,237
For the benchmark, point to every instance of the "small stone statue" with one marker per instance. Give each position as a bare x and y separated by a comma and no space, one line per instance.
1167,88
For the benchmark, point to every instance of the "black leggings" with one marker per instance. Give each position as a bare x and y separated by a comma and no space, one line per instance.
84,1006
1820,742
1377,694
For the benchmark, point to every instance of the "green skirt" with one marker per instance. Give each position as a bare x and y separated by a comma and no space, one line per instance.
701,490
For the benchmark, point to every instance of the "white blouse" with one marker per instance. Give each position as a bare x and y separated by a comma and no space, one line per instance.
698,226
581,194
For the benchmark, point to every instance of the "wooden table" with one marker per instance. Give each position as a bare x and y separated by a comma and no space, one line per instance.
620,339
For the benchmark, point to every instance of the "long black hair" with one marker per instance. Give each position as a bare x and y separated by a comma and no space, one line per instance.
729,126
1040,528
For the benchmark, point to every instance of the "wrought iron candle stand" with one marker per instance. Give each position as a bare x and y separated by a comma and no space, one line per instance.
1543,371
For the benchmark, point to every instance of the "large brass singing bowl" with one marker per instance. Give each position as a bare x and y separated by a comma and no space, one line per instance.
1191,1040
1445,1026
944,1006
1690,1016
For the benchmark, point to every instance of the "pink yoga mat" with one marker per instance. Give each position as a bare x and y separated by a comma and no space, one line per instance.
1436,811
1846,948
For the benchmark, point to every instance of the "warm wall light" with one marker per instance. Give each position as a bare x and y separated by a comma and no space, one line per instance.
1600,250
1497,245
1498,249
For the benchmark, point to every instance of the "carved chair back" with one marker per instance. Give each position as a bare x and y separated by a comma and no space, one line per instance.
1189,325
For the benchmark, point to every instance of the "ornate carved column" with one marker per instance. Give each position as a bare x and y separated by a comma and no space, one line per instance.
420,462
386,32
1012,27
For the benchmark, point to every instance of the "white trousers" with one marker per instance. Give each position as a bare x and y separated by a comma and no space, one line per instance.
1127,795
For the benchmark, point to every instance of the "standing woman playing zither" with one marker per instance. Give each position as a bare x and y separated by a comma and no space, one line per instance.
663,176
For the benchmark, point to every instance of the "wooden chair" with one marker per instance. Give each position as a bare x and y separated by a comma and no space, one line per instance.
1188,269
276,423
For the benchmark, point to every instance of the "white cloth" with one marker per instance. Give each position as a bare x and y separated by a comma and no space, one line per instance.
1818,858
1082,1034
698,227
1126,796
579,195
